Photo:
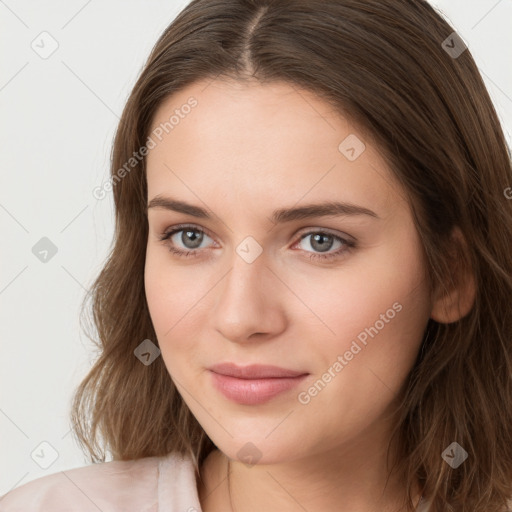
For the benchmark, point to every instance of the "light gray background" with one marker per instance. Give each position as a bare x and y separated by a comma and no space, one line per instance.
58,117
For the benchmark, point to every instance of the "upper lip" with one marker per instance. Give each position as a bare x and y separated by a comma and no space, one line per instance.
254,371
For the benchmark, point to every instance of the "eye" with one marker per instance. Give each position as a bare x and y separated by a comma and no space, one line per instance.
323,241
191,238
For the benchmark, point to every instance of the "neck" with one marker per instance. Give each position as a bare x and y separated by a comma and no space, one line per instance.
335,481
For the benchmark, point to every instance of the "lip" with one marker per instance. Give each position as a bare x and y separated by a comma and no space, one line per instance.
254,371
254,384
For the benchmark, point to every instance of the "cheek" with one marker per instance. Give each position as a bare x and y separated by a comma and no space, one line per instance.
377,311
375,308
170,290
176,305
160,293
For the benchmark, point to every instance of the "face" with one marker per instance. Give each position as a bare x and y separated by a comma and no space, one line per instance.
341,298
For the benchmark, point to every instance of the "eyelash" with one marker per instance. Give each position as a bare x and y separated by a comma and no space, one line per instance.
348,244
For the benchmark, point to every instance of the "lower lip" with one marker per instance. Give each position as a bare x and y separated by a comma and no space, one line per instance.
253,391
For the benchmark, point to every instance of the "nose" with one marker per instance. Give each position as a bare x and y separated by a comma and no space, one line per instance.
249,302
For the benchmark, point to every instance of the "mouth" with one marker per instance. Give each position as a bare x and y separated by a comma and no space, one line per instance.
254,384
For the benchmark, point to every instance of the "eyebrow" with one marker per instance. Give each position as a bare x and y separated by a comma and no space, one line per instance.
326,209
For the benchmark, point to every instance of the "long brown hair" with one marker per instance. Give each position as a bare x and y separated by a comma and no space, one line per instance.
387,66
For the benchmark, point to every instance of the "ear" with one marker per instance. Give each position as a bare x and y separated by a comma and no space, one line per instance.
452,305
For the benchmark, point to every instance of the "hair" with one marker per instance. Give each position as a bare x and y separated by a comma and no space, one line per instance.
382,65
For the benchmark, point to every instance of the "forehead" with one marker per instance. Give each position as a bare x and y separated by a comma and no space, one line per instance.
270,142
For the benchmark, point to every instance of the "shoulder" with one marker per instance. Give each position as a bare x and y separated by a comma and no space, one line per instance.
113,486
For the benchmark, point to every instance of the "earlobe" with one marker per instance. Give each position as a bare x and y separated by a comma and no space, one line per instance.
451,306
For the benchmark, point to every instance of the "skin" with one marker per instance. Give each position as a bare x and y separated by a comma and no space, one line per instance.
242,152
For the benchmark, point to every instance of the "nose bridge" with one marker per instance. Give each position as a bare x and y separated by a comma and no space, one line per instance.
247,303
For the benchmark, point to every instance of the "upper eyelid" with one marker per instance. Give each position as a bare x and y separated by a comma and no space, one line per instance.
181,227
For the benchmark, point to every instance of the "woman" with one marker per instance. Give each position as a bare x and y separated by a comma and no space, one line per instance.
307,303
